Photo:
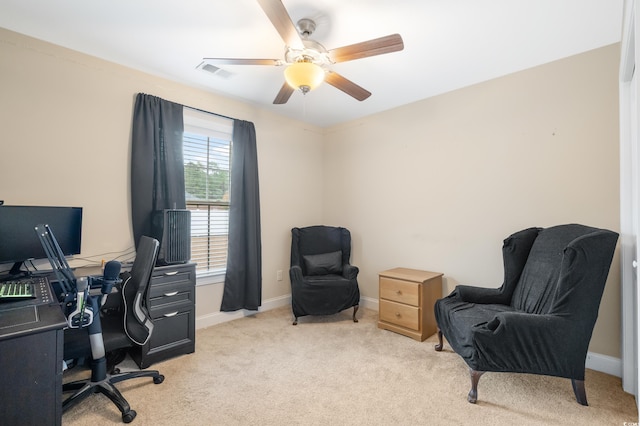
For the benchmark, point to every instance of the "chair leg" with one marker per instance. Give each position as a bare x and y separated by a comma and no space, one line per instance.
355,309
438,346
578,389
154,374
106,387
83,390
473,393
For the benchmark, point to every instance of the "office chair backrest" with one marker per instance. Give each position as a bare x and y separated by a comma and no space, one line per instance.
137,322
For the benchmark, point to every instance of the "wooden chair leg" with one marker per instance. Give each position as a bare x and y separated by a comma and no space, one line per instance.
473,393
355,309
438,347
578,389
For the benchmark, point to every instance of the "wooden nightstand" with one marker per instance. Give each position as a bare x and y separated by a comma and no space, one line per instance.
406,301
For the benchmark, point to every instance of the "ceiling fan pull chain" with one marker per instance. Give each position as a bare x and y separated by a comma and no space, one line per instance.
304,105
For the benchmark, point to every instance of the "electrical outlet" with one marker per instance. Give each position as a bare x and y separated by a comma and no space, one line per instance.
279,275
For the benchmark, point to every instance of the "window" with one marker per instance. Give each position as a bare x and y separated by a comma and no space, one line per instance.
207,162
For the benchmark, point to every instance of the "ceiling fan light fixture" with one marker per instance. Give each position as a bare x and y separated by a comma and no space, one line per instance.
304,76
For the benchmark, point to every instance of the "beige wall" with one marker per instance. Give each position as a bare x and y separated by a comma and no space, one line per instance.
66,124
439,184
436,184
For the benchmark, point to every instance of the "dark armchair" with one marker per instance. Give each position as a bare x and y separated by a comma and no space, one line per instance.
322,280
541,319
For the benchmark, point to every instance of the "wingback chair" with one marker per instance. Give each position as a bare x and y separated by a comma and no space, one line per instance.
541,319
323,282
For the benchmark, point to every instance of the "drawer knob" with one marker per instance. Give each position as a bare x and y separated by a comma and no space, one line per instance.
397,314
398,292
172,314
173,293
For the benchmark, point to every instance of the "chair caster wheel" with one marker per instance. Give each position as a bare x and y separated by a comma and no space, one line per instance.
129,416
158,380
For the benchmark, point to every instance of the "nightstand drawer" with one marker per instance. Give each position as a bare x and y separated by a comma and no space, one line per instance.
399,314
400,291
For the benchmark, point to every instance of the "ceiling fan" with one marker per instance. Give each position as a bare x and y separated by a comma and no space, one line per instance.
308,62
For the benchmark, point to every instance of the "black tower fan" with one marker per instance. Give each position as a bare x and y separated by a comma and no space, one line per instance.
172,227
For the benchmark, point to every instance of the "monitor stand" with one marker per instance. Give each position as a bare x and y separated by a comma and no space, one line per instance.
15,273
16,269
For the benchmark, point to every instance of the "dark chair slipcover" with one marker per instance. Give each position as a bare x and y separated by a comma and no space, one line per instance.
322,280
541,319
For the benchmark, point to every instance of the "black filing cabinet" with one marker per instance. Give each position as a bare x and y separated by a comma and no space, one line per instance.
171,299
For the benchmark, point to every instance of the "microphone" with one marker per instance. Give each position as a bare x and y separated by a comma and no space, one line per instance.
111,276
83,313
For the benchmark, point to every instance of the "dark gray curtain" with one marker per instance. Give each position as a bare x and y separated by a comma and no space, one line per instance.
243,281
157,168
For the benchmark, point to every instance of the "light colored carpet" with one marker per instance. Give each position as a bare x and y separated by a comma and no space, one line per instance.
261,370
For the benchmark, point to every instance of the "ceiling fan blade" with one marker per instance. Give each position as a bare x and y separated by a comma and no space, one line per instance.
281,20
347,86
232,61
377,46
284,94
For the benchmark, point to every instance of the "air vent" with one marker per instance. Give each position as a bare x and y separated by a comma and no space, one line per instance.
218,72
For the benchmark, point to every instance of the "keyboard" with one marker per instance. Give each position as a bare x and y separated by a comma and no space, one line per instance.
18,290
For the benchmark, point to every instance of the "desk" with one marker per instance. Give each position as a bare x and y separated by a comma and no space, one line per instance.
31,351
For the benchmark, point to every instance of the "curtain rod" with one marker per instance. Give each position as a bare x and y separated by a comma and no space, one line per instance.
197,109
209,112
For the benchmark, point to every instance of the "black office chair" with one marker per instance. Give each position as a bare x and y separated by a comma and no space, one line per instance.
126,327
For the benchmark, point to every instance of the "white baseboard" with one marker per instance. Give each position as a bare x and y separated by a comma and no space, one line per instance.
369,303
604,364
214,318
598,362
205,321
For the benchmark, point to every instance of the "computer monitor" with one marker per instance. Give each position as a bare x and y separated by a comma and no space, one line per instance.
19,241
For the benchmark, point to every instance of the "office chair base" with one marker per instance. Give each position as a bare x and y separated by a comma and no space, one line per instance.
106,386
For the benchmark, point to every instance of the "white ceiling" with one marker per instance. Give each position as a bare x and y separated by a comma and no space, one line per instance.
449,44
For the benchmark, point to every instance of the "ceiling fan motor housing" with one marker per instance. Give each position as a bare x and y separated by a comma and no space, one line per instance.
306,27
312,52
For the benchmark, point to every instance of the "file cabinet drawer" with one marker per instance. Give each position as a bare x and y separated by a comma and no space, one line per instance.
175,329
